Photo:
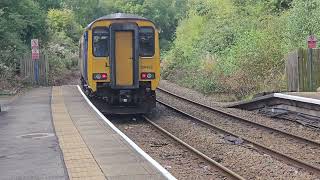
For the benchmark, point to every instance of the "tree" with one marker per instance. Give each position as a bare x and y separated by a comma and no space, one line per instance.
20,21
166,14
63,21
302,19
49,4
86,10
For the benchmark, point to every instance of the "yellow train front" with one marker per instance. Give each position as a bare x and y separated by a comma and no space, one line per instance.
120,63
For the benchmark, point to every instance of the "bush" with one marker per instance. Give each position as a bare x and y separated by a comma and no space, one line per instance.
63,21
239,46
8,78
62,54
62,47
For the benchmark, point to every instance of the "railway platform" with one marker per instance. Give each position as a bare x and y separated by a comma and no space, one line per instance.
302,106
307,100
56,133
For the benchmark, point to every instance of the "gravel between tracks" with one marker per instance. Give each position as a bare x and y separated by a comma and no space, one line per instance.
182,163
290,146
285,125
242,158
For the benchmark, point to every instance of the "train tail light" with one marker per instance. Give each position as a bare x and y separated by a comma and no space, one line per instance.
148,75
100,76
104,76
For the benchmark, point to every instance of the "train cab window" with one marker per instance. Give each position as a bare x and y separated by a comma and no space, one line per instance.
100,37
146,41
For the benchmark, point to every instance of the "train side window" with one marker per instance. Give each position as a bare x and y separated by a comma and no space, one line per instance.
146,41
100,38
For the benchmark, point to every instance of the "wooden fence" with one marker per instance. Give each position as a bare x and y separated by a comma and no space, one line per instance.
303,70
29,67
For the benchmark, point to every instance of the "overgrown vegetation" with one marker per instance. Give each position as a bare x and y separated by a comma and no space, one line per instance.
58,25
238,46
233,46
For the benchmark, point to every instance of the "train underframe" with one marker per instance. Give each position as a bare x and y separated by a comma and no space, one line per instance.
122,101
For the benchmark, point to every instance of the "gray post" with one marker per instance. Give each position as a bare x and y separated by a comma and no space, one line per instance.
36,71
310,68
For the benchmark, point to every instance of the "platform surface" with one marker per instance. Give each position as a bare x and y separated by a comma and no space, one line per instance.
29,148
75,142
5,99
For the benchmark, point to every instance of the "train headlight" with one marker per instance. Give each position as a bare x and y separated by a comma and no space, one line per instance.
97,76
148,75
100,76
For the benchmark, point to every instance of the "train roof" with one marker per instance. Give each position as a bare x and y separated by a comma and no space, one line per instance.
119,16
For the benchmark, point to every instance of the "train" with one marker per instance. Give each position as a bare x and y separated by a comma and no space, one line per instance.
119,62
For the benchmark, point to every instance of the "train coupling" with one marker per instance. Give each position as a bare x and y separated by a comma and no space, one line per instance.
125,96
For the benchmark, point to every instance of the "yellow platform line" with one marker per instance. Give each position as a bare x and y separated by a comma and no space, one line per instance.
79,161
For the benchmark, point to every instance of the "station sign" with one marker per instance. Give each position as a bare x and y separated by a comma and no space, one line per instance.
312,41
35,54
34,43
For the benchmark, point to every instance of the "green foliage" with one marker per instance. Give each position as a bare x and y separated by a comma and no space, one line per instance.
166,14
302,20
62,47
211,45
20,21
27,20
49,4
62,53
56,29
239,46
188,35
58,25
87,10
64,21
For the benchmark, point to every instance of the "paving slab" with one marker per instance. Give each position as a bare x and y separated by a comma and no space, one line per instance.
29,148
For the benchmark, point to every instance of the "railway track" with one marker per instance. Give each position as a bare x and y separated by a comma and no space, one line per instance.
227,171
274,153
240,118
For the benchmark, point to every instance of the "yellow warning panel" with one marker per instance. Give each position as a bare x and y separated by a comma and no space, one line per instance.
77,156
124,58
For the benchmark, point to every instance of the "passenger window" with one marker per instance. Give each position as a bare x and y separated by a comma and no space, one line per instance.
100,42
146,41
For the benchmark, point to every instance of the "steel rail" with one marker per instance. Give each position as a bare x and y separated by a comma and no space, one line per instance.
241,118
276,154
215,163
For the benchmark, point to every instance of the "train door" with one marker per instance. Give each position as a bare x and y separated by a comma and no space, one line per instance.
124,56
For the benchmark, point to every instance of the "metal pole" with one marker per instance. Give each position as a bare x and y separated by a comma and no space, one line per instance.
36,71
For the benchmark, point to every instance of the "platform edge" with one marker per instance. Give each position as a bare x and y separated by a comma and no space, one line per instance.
166,173
297,98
